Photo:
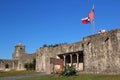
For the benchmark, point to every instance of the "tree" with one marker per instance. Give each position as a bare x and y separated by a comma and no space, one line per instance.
26,65
30,65
34,64
45,45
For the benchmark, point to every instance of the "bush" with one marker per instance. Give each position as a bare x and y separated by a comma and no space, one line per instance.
26,65
30,65
69,71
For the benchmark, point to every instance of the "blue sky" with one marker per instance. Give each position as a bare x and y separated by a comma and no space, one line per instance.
39,22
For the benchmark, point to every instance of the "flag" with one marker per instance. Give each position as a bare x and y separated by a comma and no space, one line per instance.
90,17
85,20
91,14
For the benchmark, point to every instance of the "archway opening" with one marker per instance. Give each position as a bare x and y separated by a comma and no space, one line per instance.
6,66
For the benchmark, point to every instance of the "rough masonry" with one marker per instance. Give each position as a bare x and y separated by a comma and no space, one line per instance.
98,53
19,58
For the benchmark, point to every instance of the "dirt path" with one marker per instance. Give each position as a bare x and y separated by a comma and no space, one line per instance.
22,76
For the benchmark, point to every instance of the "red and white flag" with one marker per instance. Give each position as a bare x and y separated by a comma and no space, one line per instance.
90,17
85,20
91,14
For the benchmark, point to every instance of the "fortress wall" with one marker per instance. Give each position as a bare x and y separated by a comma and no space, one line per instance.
7,65
101,52
25,58
43,55
28,57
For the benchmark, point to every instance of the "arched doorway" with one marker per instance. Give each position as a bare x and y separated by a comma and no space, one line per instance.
6,66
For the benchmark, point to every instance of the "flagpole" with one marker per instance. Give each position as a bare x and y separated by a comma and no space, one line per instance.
93,26
93,21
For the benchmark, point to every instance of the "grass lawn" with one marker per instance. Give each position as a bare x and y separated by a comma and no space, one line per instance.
14,73
78,77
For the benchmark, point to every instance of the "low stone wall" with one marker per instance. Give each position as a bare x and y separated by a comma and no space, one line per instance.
7,65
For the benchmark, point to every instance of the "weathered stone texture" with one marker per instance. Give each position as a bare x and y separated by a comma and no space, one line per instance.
25,58
8,65
101,52
19,58
44,54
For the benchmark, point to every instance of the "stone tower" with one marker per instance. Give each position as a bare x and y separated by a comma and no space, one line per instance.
21,56
19,51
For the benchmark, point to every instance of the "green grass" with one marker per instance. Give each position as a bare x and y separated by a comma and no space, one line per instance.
78,77
14,73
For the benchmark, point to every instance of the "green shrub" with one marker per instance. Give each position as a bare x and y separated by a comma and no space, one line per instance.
30,65
26,65
69,71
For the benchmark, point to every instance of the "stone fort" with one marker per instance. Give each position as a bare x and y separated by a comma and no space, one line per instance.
98,53
19,58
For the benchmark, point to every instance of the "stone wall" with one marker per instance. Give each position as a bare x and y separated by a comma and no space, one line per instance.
7,65
43,55
19,58
22,57
101,52
25,58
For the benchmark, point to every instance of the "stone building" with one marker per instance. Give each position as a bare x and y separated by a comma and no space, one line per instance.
22,57
99,53
19,58
70,53
7,65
